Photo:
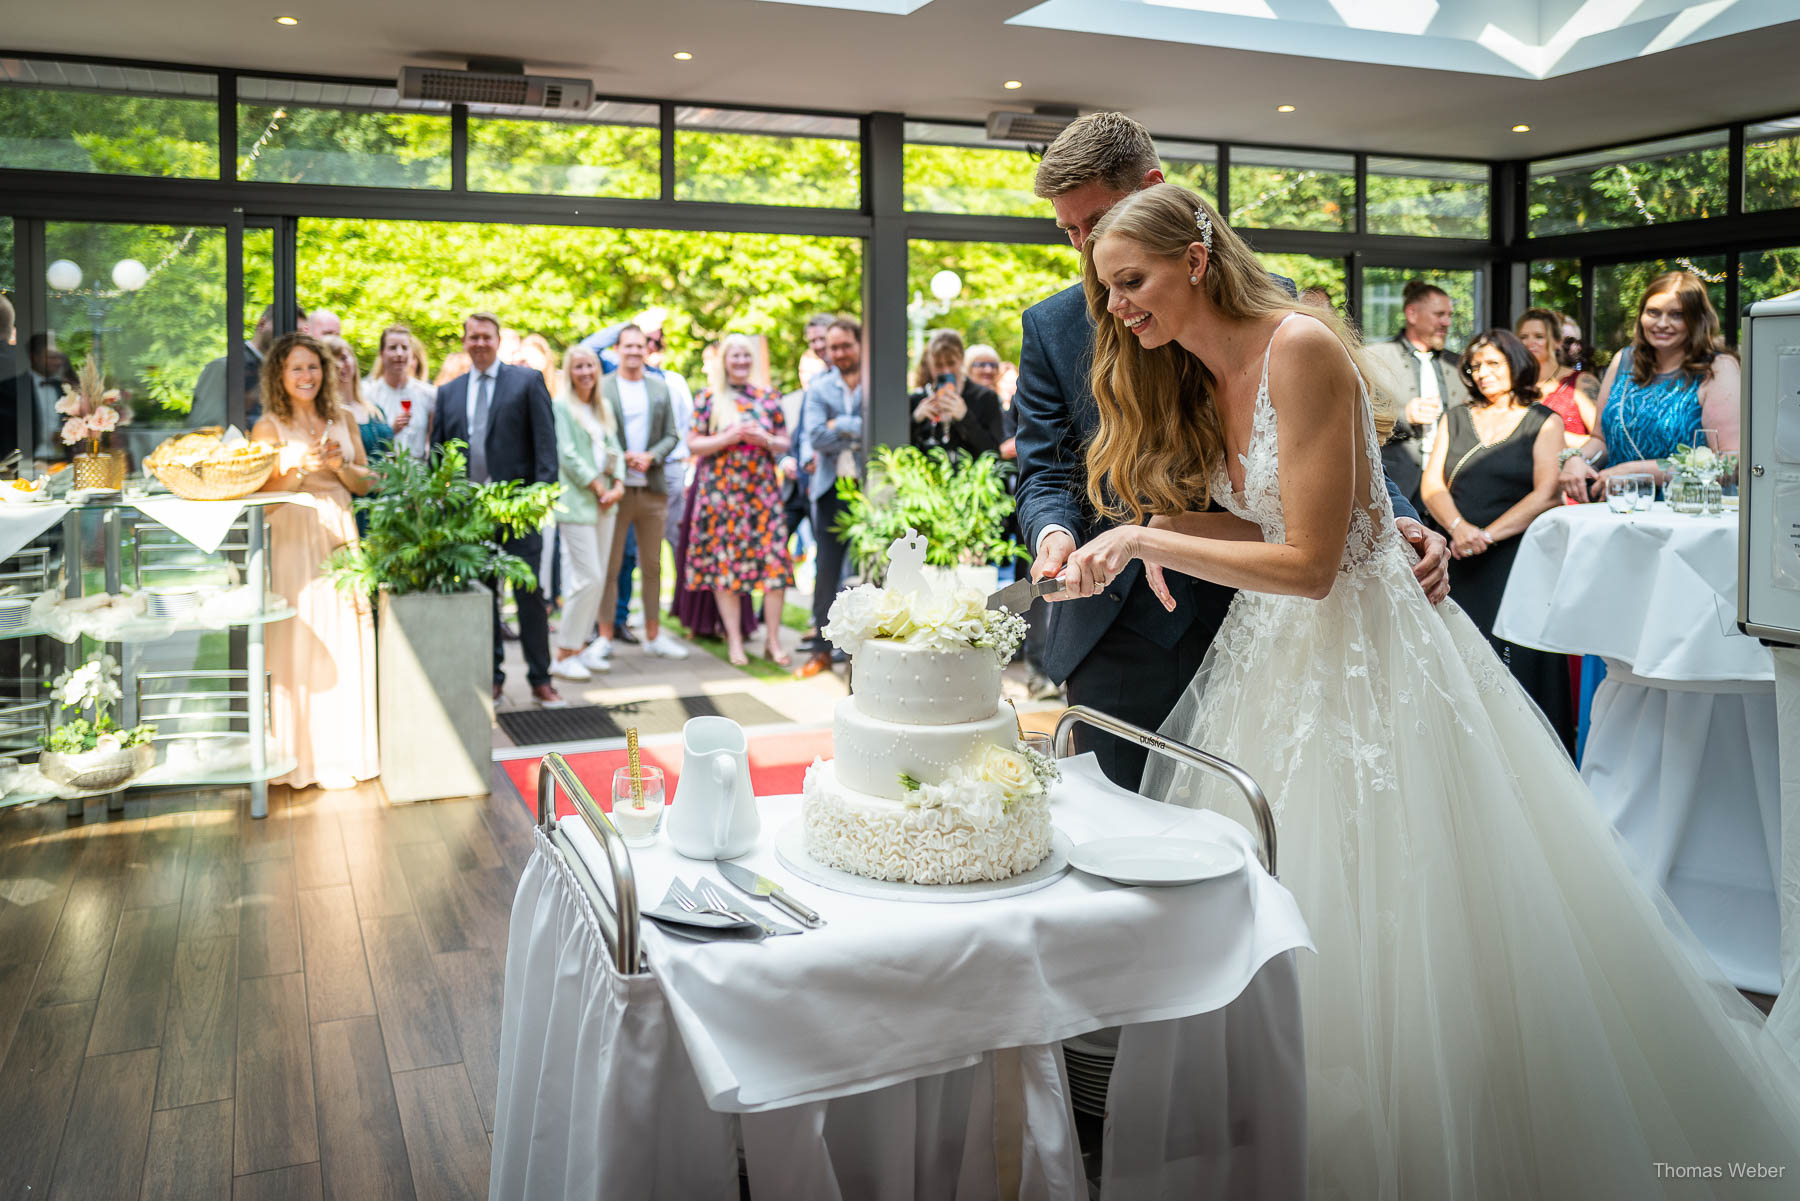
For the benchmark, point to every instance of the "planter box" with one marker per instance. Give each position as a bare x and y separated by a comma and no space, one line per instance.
434,694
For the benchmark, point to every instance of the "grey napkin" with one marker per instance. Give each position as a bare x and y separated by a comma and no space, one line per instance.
737,902
700,927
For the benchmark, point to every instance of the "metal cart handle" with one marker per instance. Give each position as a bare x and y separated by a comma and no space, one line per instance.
1180,751
619,917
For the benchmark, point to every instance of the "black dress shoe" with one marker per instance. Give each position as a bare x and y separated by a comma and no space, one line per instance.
627,635
509,633
838,656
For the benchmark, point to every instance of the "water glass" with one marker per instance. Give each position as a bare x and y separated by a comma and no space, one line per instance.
638,817
1621,493
1646,490
1043,744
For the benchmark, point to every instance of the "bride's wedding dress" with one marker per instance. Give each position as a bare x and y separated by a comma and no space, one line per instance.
1496,1010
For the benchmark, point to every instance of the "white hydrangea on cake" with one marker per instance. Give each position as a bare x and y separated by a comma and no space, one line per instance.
930,784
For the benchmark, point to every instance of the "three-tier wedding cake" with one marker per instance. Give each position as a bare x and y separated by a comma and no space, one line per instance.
929,784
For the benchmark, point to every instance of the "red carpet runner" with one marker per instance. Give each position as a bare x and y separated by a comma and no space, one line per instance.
778,764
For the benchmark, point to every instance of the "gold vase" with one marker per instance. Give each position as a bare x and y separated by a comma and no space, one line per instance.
103,469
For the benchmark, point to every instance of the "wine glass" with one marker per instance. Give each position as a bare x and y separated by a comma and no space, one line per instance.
1709,440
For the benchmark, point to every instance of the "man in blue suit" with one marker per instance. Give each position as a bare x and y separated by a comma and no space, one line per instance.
1120,652
503,413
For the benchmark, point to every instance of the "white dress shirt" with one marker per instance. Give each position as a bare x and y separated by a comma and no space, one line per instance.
634,403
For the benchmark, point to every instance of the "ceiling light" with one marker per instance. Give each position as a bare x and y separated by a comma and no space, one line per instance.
1521,129
1284,108
1013,85
287,20
682,56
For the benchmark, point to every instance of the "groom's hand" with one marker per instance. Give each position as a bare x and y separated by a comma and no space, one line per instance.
1433,568
1052,555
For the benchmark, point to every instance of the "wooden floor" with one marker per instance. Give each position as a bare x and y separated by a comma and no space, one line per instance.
197,1005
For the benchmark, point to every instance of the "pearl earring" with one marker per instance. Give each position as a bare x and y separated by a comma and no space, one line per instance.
1193,279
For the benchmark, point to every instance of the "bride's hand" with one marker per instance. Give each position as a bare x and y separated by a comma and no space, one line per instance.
1092,567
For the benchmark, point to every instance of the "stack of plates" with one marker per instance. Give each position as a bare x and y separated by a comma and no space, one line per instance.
172,604
15,612
1090,1062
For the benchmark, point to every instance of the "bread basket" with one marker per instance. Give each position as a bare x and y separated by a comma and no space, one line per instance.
197,466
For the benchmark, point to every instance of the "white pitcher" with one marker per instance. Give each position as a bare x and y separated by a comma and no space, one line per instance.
714,813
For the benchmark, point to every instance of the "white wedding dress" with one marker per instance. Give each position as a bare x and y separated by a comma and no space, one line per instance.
1496,1010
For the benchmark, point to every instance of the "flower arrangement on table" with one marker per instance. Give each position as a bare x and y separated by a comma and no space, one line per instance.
93,752
93,412
939,621
1703,462
1005,777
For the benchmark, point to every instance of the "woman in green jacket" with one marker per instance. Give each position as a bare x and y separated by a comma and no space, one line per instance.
592,460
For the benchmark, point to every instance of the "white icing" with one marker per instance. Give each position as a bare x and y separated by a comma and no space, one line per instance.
885,840
902,682
872,753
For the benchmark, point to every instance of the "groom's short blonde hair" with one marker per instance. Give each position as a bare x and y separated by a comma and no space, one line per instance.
1108,147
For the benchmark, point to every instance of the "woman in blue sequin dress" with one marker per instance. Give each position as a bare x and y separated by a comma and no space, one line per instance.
1677,376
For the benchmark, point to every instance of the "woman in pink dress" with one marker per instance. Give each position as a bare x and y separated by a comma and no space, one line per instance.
1570,393
321,660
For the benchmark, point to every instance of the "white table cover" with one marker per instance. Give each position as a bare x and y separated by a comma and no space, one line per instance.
1681,749
205,523
22,522
860,1056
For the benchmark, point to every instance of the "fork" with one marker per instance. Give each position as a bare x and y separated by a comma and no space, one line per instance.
689,904
722,904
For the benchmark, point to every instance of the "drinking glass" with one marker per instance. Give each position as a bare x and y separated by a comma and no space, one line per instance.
1646,490
1043,744
1621,493
638,817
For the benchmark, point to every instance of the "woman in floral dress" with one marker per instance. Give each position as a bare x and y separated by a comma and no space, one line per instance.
739,538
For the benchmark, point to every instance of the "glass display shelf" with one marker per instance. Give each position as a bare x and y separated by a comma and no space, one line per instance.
151,630
236,772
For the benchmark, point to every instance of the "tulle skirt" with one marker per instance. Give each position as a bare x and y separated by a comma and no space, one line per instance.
1497,1009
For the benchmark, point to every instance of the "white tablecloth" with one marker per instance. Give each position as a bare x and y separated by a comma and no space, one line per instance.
1681,750
868,1045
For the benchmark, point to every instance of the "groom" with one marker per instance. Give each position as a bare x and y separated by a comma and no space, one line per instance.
1120,652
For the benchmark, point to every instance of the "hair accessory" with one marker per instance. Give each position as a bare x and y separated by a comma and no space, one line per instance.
1203,223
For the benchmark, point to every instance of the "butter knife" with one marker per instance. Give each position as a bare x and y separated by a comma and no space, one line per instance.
1017,596
752,884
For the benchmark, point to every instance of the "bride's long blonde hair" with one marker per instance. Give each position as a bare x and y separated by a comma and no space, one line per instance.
1159,438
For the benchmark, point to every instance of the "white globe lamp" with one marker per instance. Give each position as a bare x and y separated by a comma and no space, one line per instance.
64,275
129,275
946,286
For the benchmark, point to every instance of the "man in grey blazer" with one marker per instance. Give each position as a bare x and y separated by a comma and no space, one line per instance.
832,446
1120,652
646,421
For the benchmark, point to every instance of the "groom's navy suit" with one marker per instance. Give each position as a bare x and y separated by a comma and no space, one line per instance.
1120,651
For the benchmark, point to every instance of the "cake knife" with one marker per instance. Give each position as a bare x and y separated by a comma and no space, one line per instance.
1017,596
752,884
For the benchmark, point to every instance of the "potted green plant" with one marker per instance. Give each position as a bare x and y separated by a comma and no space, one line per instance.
93,753
960,504
433,545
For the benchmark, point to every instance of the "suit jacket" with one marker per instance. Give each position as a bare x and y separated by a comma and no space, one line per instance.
664,434
1399,375
521,433
1057,418
827,400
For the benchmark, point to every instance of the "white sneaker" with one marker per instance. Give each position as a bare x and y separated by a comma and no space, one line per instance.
664,647
597,655
570,669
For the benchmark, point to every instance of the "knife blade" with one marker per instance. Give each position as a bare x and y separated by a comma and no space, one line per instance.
1017,596
752,884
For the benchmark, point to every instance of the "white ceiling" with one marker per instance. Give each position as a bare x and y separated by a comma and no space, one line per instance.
949,58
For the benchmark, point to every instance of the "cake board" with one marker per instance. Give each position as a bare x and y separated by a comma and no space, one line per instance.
790,849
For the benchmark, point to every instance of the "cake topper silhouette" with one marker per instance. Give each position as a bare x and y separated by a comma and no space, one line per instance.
906,564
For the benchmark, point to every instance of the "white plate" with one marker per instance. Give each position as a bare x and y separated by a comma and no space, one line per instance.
790,848
1150,859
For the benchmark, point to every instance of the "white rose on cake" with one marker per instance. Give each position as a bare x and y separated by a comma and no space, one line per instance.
855,616
1011,772
947,622
897,617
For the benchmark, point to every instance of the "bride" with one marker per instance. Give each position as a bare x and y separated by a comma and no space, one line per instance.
1496,1010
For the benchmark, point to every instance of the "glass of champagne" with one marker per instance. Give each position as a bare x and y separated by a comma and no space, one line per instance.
637,814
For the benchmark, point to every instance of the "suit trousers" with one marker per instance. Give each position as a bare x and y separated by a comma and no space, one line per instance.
1130,677
828,568
644,510
534,615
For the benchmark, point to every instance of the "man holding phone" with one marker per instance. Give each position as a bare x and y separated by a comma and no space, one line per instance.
953,411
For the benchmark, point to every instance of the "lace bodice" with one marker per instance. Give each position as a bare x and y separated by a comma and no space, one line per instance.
1372,519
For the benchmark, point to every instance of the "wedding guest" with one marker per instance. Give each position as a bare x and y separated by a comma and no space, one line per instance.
421,360
1568,391
210,402
813,360
833,449
322,661
534,352
1489,476
592,469
1419,375
401,395
371,422
949,409
323,323
456,364
502,414
981,363
738,542
647,424
1677,376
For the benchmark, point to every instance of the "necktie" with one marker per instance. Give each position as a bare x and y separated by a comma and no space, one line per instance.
478,468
